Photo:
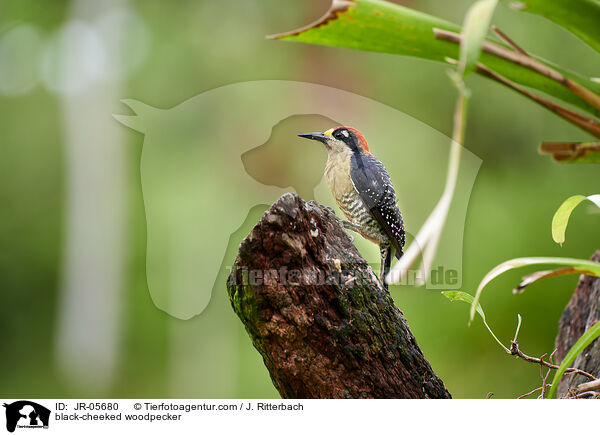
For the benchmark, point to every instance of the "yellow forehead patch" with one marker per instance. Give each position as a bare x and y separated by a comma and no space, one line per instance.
328,132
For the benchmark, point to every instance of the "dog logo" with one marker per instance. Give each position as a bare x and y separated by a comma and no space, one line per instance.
26,414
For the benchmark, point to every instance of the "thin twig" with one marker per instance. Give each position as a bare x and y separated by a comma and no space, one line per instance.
541,396
532,391
526,61
518,328
545,378
514,350
587,394
586,124
509,41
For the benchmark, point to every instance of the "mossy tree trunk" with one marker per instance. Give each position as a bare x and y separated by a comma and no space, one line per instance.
319,316
581,313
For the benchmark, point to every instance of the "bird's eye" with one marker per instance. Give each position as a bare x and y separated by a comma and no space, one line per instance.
341,134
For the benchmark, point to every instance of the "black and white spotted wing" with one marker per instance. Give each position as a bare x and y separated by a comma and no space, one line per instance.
373,184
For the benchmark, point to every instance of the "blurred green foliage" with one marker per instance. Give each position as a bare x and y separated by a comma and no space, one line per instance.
199,45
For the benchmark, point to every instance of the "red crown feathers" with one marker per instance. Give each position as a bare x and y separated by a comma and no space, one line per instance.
361,139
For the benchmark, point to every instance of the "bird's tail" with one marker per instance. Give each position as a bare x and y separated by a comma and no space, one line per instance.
386,263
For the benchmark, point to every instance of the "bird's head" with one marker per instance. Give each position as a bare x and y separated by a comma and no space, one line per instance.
340,139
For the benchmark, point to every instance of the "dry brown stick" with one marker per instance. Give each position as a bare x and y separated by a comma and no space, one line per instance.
587,124
545,378
542,376
514,350
526,61
522,396
588,386
552,361
509,41
562,151
541,396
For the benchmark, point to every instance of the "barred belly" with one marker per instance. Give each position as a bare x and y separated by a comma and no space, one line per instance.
356,212
337,173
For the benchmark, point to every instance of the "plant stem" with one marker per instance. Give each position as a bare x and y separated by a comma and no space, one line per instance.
587,124
523,59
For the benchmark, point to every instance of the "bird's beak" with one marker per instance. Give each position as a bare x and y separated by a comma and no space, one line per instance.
315,136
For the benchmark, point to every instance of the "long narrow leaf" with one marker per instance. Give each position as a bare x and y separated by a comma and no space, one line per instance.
476,24
591,267
380,26
581,17
562,215
545,274
584,341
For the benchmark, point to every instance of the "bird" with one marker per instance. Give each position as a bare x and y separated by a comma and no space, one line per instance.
363,190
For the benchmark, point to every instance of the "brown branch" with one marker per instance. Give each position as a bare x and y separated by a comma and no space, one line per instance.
587,124
545,378
522,396
509,41
587,395
318,315
523,59
588,386
514,350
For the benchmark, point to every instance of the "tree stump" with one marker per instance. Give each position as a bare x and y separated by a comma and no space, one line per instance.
318,315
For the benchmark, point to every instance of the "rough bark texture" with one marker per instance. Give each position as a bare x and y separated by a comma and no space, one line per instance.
319,316
582,312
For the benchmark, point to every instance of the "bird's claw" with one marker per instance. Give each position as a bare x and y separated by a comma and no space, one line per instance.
349,226
330,210
350,236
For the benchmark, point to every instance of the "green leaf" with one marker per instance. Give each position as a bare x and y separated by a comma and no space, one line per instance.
456,295
562,215
475,28
584,341
380,26
591,268
580,17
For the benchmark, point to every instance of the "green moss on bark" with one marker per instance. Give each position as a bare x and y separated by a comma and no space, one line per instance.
333,332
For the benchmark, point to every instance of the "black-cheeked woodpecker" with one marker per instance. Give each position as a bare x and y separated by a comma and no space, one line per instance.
363,191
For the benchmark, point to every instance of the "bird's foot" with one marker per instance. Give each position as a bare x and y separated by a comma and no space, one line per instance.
349,226
350,236
330,210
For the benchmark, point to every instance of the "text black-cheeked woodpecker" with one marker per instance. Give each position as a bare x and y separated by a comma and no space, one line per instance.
363,191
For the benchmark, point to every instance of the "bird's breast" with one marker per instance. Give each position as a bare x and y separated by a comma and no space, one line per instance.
337,174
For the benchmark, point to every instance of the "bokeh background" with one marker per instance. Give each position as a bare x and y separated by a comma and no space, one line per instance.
78,321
